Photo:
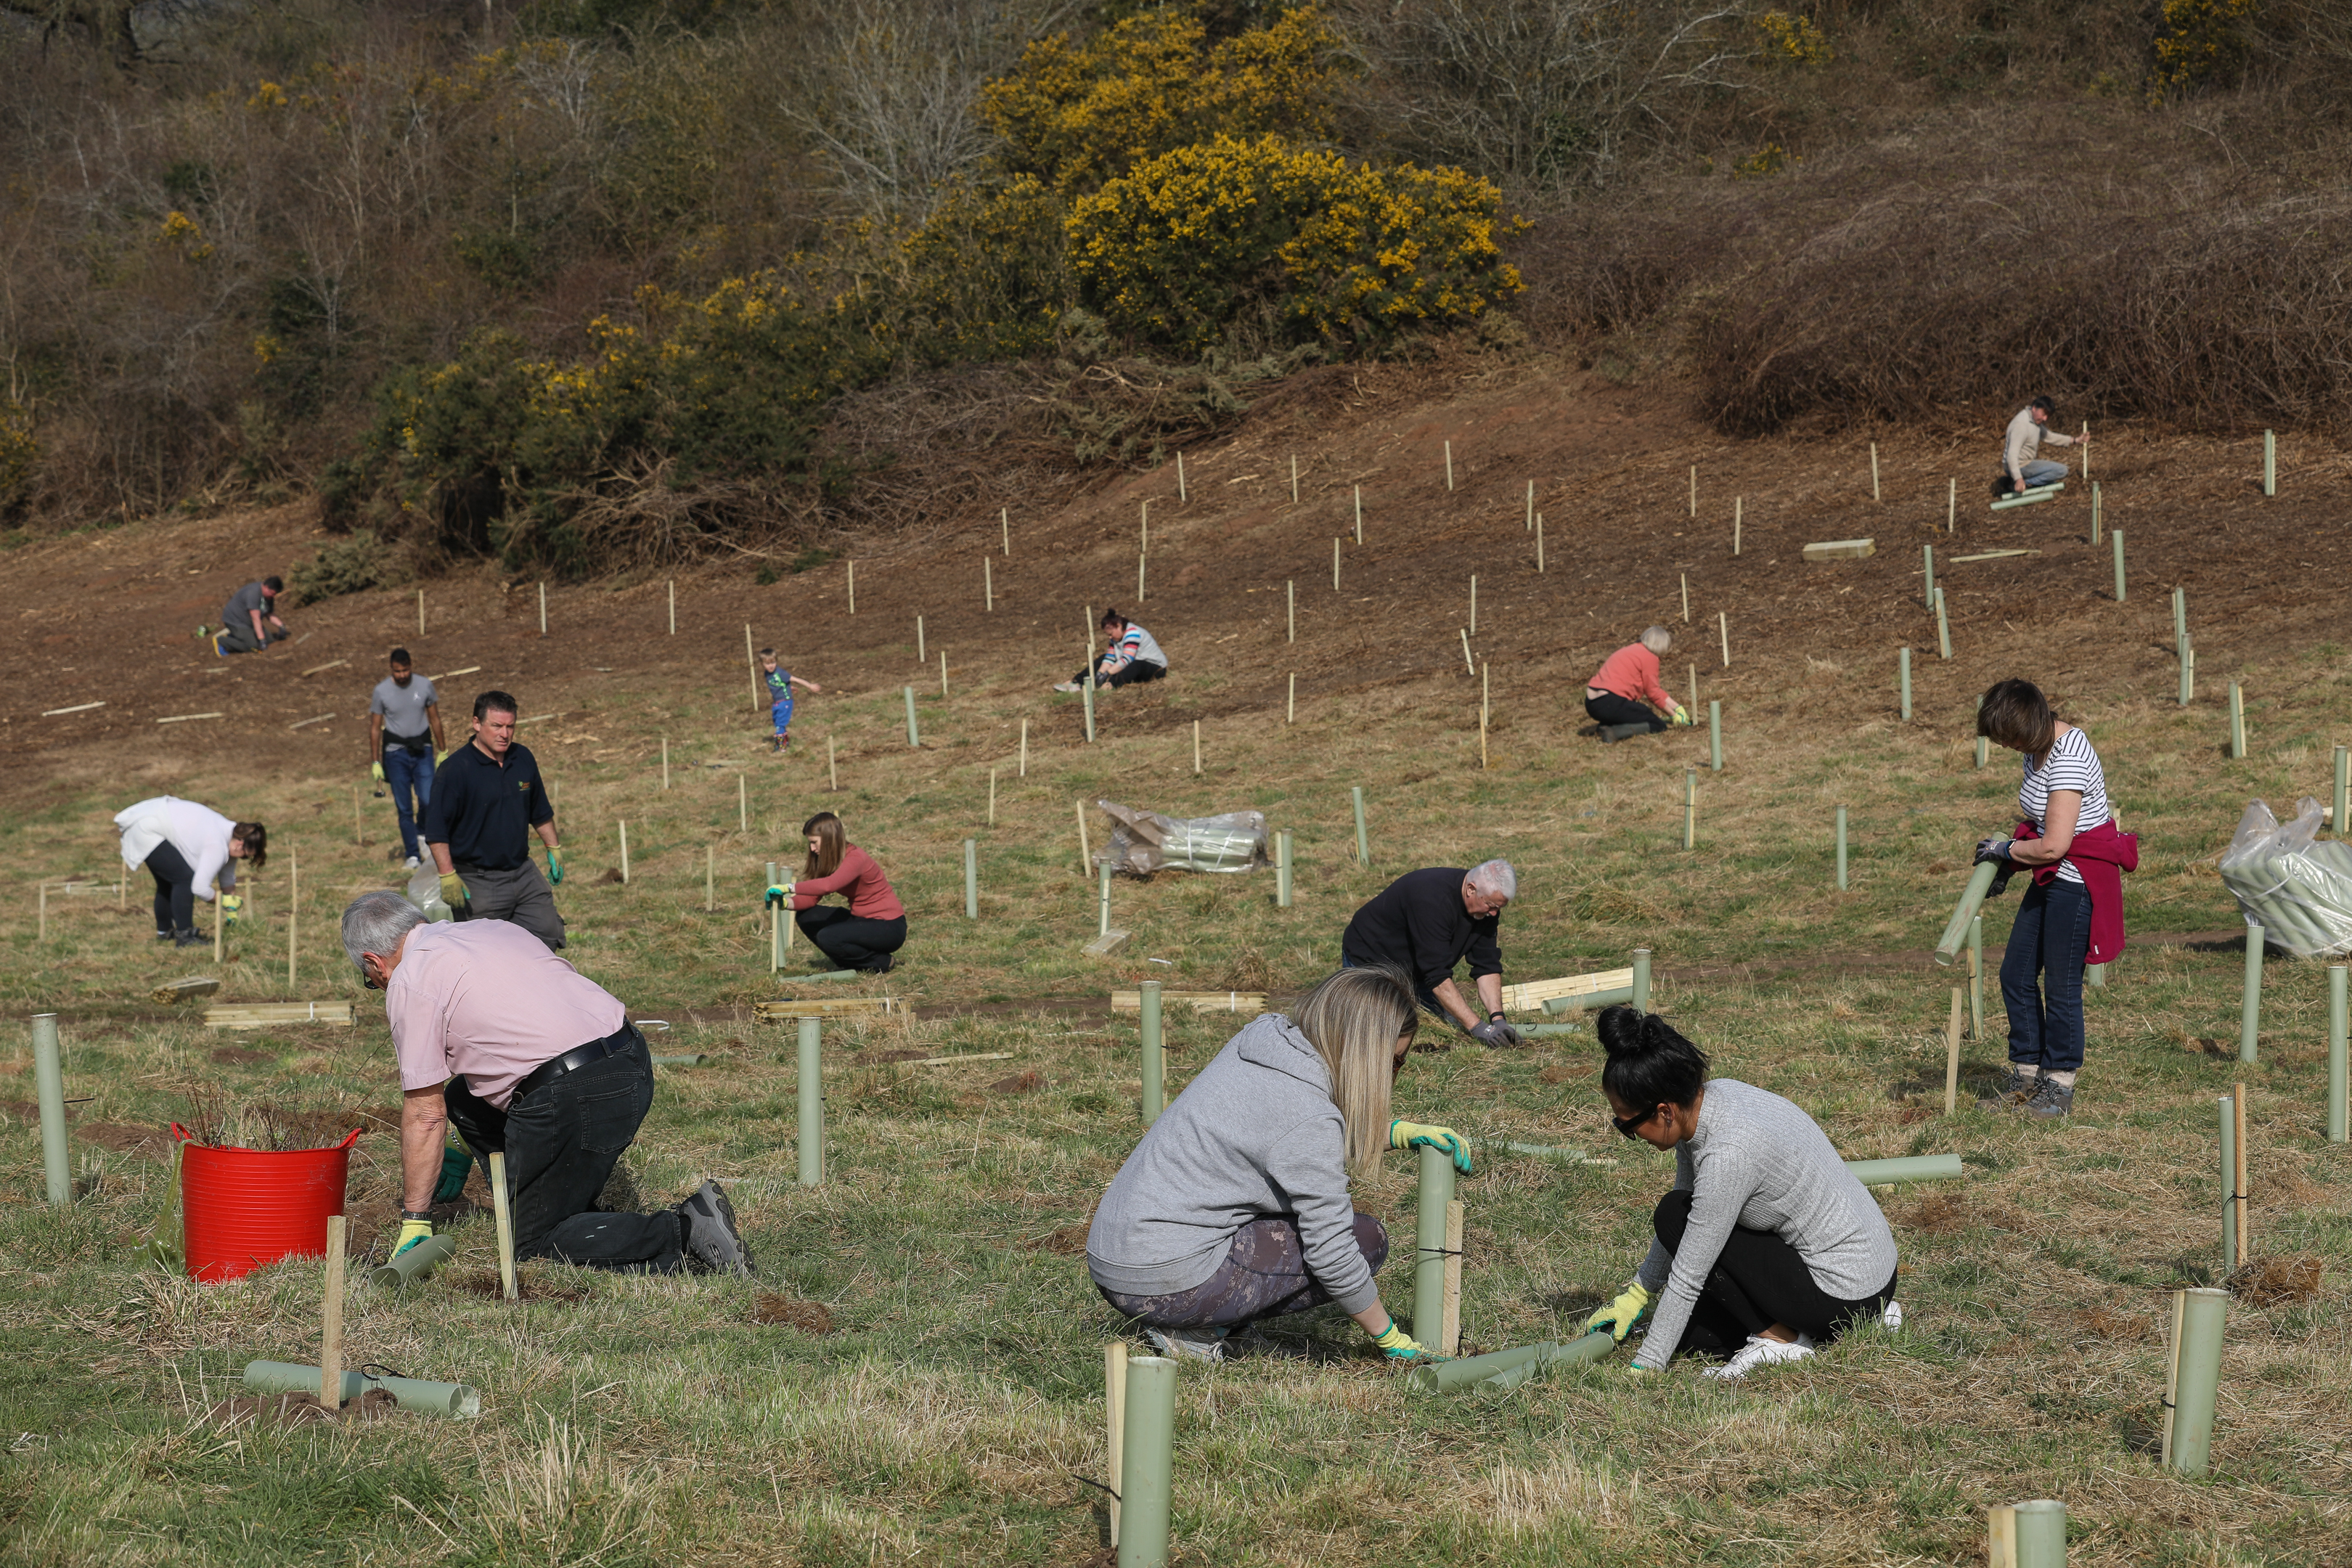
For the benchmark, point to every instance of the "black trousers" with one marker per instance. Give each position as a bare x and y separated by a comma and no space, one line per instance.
850,942
1131,674
1758,1280
175,888
1610,709
561,1141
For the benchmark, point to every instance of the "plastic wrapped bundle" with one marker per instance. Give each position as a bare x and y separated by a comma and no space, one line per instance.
2298,890
1142,842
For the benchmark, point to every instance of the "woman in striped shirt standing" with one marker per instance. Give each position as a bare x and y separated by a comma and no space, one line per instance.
2073,914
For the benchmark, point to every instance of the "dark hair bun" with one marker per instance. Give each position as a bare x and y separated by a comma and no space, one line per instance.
1650,1062
1620,1029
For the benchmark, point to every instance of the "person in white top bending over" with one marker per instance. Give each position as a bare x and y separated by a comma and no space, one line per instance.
2021,468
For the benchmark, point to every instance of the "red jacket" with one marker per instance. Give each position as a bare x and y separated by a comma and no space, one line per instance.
859,880
2102,854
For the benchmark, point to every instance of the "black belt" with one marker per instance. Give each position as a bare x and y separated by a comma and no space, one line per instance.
547,1072
412,744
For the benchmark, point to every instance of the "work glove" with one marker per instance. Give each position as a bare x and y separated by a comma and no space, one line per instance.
1635,1369
453,890
1621,1316
231,905
1420,1135
1993,849
1398,1346
376,772
1495,1032
411,1231
554,867
779,895
440,757
1682,719
455,1161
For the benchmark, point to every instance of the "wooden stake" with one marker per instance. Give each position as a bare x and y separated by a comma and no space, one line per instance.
1540,566
1180,492
420,612
543,609
1473,602
1694,686
1115,1413
1685,598
331,1322
1335,565
504,1211
1290,607
1723,630
1531,506
1024,749
1139,579
2241,1195
743,803
1359,519
624,854
1874,470
1449,465
1005,521
1294,478
1693,487
673,606
988,583
664,762
1196,748
293,904
1469,664
1952,1052
1450,1333
832,765
921,657
943,675
1290,714
752,663
1952,506
1085,852
1483,691
991,797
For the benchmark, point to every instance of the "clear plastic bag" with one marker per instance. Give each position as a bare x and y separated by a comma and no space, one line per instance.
2297,890
425,892
1142,842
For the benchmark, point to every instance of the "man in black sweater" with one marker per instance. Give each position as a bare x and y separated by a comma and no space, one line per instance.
1424,922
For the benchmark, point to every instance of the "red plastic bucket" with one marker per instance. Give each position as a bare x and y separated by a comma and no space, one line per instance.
245,1208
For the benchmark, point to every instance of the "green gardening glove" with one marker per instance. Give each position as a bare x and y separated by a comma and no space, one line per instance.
455,1161
554,867
411,1231
1621,1316
1398,1346
376,772
231,906
1682,719
1419,1135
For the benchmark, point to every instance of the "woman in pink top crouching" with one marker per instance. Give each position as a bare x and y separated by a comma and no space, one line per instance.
1625,697
872,927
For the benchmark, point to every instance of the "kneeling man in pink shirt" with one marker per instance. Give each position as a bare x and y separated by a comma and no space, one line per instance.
528,1056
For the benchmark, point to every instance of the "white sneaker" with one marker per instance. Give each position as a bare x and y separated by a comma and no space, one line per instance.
410,864
1189,1345
1893,1317
1760,1352
1066,686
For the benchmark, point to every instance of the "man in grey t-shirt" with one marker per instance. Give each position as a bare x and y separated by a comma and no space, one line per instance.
405,742
249,622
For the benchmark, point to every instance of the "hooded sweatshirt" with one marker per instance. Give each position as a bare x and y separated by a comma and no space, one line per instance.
1255,1134
199,833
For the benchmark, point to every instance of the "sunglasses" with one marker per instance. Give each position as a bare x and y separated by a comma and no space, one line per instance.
1625,1124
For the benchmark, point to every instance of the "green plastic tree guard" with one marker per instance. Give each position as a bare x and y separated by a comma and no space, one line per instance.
2228,1109
1364,842
1429,1245
1972,897
1841,849
2027,1535
2339,1011
1903,682
457,1399
2180,618
1907,1169
1641,998
2096,511
1154,1055
1282,868
412,1267
971,879
1147,1461
1086,689
1943,628
2343,792
2198,1318
2250,1002
1591,1001
1977,977
2117,535
1714,735
1548,1030
49,1088
2270,462
914,736
1102,898
1508,1369
1927,593
810,1137
689,1059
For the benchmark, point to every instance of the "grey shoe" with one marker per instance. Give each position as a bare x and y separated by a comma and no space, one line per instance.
1187,1344
712,1242
2018,1085
2050,1099
190,938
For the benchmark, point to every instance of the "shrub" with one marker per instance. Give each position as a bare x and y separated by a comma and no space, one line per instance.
20,456
351,564
2203,41
1312,247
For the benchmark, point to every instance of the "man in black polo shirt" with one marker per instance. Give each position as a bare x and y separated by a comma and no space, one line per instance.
1424,922
486,802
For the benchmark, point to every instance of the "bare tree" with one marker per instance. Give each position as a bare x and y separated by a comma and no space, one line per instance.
102,24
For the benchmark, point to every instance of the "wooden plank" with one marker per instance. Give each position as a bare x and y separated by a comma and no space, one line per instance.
1528,996
188,718
181,989
469,669
1993,555
265,1015
1250,1001
306,723
967,1057
1103,946
1841,550
318,669
826,1007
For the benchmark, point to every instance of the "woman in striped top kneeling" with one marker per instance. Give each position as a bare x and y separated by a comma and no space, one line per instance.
2073,914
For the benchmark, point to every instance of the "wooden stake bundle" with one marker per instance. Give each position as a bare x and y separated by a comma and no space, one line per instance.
1952,1055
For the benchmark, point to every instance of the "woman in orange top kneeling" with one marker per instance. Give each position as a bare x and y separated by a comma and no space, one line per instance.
872,927
1626,680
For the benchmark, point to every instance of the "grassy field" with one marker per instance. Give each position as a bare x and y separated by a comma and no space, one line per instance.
915,1375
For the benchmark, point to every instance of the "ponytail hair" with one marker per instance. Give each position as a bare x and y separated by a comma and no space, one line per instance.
1650,1063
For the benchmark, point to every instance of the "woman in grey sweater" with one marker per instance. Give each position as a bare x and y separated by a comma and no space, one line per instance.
1767,1246
1234,1207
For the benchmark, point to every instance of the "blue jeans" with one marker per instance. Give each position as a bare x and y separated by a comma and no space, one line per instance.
2042,471
402,770
2051,936
782,712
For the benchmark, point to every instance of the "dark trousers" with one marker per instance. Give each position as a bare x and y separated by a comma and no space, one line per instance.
404,770
519,894
1758,1280
561,1141
238,637
850,942
1130,674
175,888
1610,709
2050,938
1264,1276
1426,995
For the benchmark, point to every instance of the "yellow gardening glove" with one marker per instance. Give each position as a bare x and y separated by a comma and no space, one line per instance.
376,772
411,1231
231,904
1416,1135
1398,1346
1621,1316
1683,717
453,890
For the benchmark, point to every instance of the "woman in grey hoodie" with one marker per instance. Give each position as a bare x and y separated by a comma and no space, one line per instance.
1234,1207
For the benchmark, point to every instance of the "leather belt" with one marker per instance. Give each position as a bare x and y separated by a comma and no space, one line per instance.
548,1071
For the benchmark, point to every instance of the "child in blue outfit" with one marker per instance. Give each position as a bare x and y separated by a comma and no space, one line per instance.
779,693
